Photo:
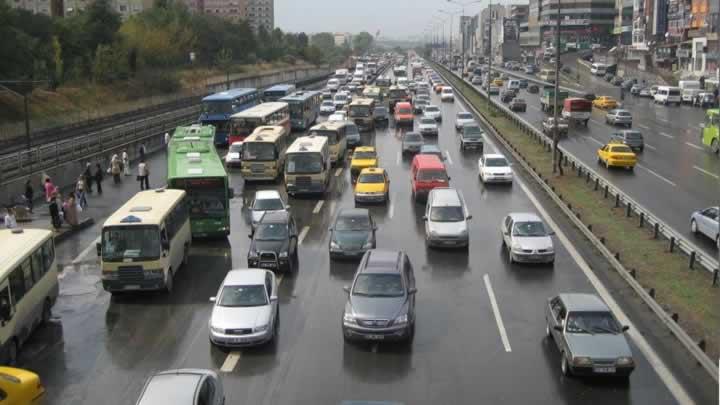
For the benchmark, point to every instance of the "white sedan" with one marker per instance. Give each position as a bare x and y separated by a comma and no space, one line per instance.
234,156
338,116
527,239
428,126
266,201
432,111
327,107
706,222
494,168
245,310
463,118
446,94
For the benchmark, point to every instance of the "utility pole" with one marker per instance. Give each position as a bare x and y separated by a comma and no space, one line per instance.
556,127
490,56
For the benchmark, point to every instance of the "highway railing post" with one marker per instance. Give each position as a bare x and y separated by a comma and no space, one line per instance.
692,260
715,277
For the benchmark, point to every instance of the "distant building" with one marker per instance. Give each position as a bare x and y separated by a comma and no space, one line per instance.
342,38
530,30
261,13
63,8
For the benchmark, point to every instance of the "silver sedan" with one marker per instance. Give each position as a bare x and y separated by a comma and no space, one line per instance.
706,222
527,239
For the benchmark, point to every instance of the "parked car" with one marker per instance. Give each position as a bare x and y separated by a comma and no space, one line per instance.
632,138
183,386
548,126
706,222
704,100
635,89
589,338
644,92
245,310
476,80
616,81
494,168
527,239
411,142
523,83
627,84
518,104
507,96
446,219
493,90
381,299
274,243
471,137
434,112
462,118
619,117
266,201
352,234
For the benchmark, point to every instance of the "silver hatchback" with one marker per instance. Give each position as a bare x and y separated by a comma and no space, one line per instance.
619,117
183,386
527,239
446,219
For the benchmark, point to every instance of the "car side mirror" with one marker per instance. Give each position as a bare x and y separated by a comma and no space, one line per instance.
449,178
274,298
330,229
287,207
98,248
165,245
558,328
412,291
346,288
625,328
551,233
213,299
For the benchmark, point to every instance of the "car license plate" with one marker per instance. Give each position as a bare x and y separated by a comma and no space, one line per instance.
239,340
267,265
449,242
374,337
132,287
604,370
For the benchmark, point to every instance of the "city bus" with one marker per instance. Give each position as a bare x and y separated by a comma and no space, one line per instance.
307,166
263,156
144,243
28,286
361,113
219,107
194,166
304,108
277,92
195,131
547,74
711,130
336,134
244,123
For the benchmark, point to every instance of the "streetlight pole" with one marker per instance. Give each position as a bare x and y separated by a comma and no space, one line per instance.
556,126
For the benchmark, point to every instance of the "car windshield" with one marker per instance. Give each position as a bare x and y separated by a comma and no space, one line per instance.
623,113
360,111
380,111
130,242
371,178
352,223
328,103
271,231
378,285
352,130
633,135
446,214
496,162
217,107
340,97
364,155
519,101
464,116
243,296
267,204
592,323
236,147
529,228
427,121
413,137
432,175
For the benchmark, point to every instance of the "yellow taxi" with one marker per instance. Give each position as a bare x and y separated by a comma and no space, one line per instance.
363,157
20,387
373,185
616,154
498,82
605,103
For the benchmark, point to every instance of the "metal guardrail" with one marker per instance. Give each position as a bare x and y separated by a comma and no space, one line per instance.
696,256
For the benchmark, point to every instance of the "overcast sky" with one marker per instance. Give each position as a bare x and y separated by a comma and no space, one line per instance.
393,18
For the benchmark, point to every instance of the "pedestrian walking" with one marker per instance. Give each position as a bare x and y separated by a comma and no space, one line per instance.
80,192
29,195
10,221
50,189
143,174
115,168
126,163
55,212
99,176
70,211
87,174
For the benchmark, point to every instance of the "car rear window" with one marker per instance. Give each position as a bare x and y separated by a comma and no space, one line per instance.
403,111
464,116
621,149
432,175
413,137
633,135
623,114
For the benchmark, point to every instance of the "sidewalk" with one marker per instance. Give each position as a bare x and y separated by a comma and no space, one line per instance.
100,206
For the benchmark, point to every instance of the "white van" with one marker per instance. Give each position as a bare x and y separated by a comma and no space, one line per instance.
598,69
666,95
513,84
333,84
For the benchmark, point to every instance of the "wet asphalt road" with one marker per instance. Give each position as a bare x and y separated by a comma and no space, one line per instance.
674,164
100,350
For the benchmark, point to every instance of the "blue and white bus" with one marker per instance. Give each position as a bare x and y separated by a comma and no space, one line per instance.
277,92
304,108
217,109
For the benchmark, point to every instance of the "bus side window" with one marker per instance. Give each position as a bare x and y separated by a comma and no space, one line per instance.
17,285
5,305
48,251
37,265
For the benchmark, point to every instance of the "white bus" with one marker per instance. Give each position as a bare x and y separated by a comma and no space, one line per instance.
28,286
144,243
307,166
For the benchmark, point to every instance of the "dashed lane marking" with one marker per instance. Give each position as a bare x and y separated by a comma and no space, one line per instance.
448,157
650,147
391,209
644,126
666,135
706,172
594,140
303,234
338,171
318,206
498,317
398,158
230,362
692,145
656,174
86,251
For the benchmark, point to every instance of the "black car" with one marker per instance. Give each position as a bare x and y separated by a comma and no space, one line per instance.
518,104
507,96
352,234
381,116
471,136
274,243
381,299
533,88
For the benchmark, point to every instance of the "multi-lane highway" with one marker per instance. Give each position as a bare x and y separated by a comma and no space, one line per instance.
480,327
673,165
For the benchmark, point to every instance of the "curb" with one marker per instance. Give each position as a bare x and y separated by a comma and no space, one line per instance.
67,232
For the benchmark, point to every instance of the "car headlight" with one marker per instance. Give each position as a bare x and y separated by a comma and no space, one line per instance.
283,255
582,361
433,234
217,330
401,320
154,273
260,328
517,249
348,318
334,245
625,361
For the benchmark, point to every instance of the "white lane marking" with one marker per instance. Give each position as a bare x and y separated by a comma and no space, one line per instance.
303,234
398,158
706,172
318,206
391,209
644,126
85,251
447,156
595,140
677,390
666,135
692,145
656,174
338,171
230,362
647,145
496,311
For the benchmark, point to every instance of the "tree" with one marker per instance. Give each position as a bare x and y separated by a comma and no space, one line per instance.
58,72
100,24
224,60
302,40
362,42
324,41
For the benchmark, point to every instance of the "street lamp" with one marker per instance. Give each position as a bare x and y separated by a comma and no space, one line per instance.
463,5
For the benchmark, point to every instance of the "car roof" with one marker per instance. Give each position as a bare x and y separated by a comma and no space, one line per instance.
445,197
382,261
429,162
403,104
172,387
275,217
365,149
372,170
266,194
494,156
583,302
430,146
524,217
245,277
353,212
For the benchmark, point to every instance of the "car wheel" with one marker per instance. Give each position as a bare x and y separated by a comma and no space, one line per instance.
47,312
185,255
169,282
715,146
693,226
564,366
387,196
717,241
510,256
411,335
547,332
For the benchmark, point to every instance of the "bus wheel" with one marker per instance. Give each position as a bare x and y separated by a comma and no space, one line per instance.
715,146
47,312
169,282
